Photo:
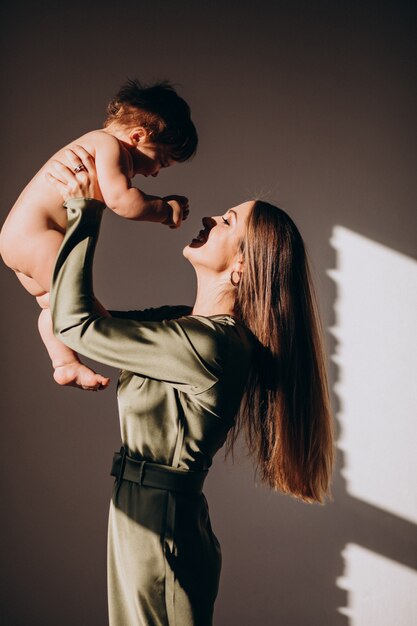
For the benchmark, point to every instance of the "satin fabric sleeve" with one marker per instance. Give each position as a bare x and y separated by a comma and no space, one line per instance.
186,353
160,313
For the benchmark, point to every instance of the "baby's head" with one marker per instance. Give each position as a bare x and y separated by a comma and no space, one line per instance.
155,121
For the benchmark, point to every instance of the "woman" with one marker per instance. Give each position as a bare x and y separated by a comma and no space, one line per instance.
248,353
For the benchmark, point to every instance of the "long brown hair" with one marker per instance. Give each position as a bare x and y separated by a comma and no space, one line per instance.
285,411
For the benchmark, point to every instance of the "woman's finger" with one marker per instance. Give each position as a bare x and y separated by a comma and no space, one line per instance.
77,178
58,185
63,172
73,184
85,158
57,176
87,176
75,163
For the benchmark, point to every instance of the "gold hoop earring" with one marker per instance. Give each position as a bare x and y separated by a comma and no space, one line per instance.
232,280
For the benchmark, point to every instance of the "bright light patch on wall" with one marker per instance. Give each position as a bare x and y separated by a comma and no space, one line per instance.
376,354
379,590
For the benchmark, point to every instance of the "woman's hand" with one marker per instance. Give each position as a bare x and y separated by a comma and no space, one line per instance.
77,178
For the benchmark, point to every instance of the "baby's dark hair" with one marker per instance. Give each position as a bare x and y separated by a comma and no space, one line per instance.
160,110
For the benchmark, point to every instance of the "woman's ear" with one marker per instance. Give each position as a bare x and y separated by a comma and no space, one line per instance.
238,266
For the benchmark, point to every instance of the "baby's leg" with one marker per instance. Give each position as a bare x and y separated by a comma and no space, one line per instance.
33,263
68,369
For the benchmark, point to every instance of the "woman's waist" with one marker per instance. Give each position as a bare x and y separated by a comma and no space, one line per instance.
182,460
145,471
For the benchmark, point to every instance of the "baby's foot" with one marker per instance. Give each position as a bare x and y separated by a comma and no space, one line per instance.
76,374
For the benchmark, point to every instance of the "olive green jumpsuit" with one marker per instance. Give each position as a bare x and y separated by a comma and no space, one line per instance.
180,387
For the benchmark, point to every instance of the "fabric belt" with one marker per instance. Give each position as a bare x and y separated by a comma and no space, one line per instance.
156,475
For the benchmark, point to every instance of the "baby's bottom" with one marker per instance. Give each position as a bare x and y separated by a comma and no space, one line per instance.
32,256
36,262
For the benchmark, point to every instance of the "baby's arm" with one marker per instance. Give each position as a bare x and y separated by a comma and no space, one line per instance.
119,195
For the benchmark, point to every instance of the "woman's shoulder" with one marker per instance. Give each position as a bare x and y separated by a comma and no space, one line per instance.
218,331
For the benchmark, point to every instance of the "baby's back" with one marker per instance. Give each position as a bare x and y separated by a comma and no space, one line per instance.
39,207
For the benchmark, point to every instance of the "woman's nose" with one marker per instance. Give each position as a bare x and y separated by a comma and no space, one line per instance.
209,222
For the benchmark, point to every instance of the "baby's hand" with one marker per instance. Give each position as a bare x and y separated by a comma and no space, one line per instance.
178,211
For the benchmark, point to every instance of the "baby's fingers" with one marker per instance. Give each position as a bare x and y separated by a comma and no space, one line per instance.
181,215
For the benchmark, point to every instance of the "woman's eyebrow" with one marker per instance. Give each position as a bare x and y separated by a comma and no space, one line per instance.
232,211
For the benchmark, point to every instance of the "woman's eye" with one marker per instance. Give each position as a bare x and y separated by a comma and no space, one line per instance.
225,220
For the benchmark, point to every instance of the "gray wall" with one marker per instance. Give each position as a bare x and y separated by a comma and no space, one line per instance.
309,104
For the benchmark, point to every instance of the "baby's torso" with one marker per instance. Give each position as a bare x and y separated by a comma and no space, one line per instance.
39,206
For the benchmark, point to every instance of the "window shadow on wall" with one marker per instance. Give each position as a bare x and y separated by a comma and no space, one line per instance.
376,357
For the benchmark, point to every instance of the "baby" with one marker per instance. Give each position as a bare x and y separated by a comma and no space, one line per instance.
146,129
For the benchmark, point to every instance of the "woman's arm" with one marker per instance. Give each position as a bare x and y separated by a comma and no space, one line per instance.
187,353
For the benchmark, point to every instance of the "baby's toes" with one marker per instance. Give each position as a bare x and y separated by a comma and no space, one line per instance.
95,382
102,382
87,379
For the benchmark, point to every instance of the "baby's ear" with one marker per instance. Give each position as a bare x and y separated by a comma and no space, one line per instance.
139,134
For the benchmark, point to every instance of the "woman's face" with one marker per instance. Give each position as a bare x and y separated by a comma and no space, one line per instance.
216,246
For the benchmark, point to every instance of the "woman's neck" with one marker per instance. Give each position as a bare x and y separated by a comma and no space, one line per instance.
213,297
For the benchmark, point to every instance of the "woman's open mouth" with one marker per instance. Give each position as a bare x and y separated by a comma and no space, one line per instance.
201,237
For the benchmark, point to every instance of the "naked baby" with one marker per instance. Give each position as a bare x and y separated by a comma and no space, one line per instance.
147,128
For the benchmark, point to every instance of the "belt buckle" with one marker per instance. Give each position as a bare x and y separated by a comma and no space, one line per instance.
141,467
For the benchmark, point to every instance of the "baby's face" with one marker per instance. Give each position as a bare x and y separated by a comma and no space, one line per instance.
149,158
